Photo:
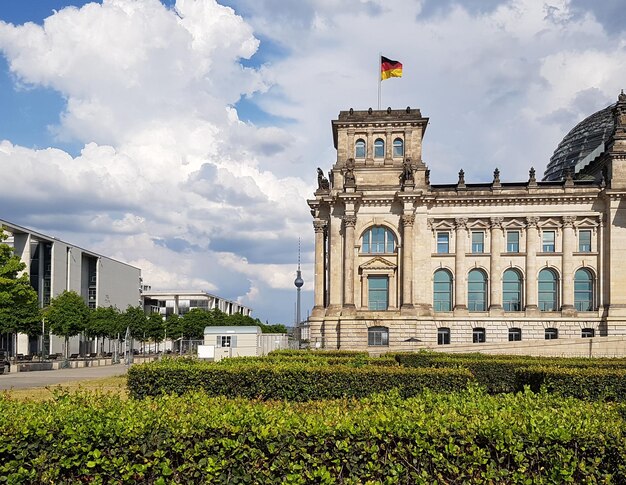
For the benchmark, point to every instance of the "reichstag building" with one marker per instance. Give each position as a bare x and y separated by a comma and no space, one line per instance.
398,259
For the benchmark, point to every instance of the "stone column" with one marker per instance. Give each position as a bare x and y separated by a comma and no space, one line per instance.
532,241
349,222
407,221
369,148
460,294
388,144
495,276
567,269
320,228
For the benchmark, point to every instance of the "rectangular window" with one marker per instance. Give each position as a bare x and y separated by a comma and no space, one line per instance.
584,241
548,241
443,242
443,336
478,336
512,241
224,341
378,287
515,334
478,242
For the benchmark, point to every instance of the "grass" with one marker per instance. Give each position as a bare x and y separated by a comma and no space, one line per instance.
113,385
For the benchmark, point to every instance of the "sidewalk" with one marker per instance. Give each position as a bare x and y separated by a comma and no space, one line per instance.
27,380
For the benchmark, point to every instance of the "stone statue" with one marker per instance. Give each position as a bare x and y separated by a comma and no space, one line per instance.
407,171
349,179
322,182
531,175
496,177
461,177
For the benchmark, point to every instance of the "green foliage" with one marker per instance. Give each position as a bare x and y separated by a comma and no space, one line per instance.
134,318
67,315
173,327
466,437
294,381
194,323
19,308
155,327
104,322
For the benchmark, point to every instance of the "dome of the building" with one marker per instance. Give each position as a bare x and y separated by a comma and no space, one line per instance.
585,142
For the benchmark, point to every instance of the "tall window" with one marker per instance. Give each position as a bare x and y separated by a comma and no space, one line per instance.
478,335
477,291
515,334
379,148
442,291
548,241
378,336
359,148
584,241
478,242
443,242
398,147
548,290
583,290
443,336
378,240
552,333
512,291
512,241
378,291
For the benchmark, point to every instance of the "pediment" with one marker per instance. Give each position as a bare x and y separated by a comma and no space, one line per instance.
514,224
550,222
378,263
478,224
587,222
441,225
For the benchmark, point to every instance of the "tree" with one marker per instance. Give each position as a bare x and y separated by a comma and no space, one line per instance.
19,308
194,323
173,326
134,318
155,328
103,322
67,316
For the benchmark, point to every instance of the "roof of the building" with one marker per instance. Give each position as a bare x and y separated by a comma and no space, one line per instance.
232,329
583,144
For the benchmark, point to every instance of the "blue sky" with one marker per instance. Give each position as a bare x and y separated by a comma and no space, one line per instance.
183,136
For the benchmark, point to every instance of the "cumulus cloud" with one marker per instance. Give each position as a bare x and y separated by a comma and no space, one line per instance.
170,178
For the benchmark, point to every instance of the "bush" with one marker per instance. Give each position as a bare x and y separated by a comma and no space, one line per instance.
290,381
466,437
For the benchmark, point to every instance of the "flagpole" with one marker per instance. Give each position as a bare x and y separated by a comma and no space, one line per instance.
380,57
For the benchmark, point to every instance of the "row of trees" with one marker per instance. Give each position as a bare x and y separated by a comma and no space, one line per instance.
68,315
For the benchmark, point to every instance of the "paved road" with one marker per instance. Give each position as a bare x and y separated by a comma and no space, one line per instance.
43,378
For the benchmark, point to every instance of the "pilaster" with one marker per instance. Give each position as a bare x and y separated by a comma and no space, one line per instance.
532,241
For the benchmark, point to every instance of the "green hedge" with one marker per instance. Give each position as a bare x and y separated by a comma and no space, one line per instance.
289,381
512,373
309,357
463,437
319,353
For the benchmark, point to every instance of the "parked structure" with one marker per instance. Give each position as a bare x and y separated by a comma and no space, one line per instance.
54,266
243,341
400,262
179,302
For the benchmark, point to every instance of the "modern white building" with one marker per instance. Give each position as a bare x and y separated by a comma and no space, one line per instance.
243,341
55,266
179,302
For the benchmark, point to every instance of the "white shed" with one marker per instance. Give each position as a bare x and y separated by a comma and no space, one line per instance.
232,341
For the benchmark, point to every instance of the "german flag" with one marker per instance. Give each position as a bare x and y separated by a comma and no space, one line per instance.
389,68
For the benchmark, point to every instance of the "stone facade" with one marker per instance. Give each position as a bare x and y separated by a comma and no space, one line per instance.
401,261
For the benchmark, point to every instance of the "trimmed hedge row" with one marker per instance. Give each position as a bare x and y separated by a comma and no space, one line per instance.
357,361
466,437
288,381
319,353
598,379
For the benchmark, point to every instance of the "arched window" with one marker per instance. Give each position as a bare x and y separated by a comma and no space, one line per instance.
443,336
379,148
478,335
378,336
512,291
398,147
548,290
378,239
442,291
359,148
583,290
477,291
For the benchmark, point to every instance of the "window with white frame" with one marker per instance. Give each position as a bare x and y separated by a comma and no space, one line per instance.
584,241
226,341
479,335
512,241
549,238
515,334
443,242
378,239
552,333
443,336
478,242
378,336
588,333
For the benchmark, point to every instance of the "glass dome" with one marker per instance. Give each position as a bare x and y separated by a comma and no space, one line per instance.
581,145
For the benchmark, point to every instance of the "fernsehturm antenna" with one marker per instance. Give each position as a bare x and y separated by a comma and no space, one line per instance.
298,282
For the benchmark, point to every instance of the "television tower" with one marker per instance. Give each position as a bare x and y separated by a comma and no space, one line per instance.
298,282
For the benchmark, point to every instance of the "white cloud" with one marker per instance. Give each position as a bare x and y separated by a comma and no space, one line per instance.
172,180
